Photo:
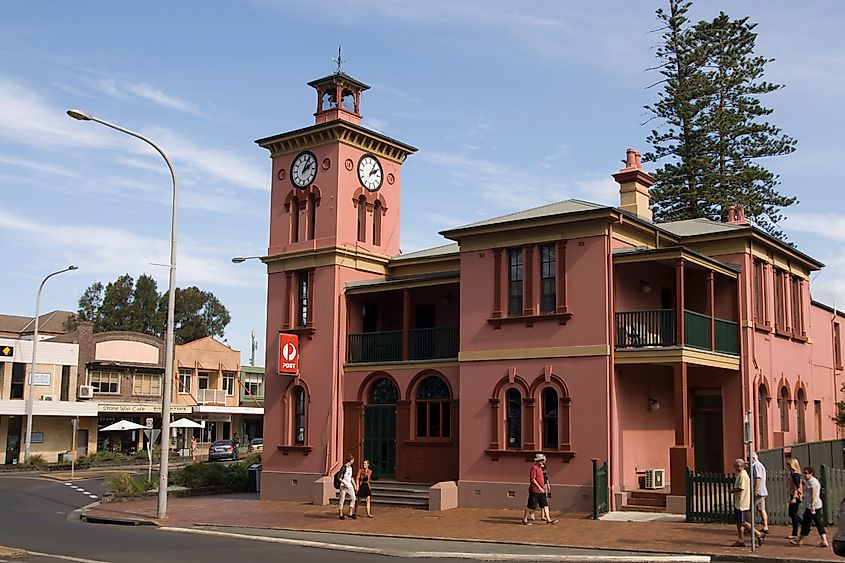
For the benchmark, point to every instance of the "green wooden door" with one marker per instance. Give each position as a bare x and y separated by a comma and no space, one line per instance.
380,427
380,439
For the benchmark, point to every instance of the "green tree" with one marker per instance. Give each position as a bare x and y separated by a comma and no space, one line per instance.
138,306
89,308
116,309
146,316
679,191
738,137
713,135
198,314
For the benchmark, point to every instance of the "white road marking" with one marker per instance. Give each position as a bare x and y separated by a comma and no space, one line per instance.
66,557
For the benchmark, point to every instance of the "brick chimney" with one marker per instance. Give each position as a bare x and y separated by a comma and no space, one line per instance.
736,215
634,183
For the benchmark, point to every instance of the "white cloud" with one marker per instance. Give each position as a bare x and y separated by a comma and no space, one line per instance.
109,252
125,90
826,225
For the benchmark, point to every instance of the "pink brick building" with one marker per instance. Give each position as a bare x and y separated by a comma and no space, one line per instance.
575,329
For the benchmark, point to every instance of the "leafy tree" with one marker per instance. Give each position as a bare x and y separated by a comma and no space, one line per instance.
89,308
198,314
679,191
713,135
138,306
116,310
146,316
737,136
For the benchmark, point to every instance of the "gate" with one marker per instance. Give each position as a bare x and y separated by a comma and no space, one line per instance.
601,495
709,497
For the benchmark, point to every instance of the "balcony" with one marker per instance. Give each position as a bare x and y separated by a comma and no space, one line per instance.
211,397
656,329
423,344
247,400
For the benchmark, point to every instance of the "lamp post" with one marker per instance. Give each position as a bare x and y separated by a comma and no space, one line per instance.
30,390
171,305
242,259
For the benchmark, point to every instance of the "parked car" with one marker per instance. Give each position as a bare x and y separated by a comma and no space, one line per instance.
839,538
256,445
222,450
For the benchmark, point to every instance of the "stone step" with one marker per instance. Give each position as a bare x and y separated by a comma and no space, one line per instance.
636,508
647,494
658,502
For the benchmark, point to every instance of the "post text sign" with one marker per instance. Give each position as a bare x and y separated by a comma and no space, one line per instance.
288,353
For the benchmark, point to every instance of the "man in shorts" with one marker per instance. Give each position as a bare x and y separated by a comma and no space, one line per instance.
758,475
742,505
537,493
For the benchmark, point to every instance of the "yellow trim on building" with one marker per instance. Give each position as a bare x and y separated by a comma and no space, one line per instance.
676,355
534,353
330,256
532,234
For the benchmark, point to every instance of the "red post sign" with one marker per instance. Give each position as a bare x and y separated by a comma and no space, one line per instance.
288,353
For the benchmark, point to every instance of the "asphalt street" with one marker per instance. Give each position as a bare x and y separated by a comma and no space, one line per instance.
38,516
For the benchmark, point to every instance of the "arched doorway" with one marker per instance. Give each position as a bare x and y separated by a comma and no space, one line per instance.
380,427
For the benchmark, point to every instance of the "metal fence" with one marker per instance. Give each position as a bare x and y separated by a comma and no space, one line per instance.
601,495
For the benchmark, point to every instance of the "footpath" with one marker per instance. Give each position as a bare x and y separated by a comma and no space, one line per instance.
464,532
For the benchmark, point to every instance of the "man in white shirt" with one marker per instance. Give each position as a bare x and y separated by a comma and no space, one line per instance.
758,472
347,489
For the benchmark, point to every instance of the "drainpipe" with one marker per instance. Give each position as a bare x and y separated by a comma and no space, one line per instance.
612,420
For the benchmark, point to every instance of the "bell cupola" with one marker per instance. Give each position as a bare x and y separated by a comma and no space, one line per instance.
338,96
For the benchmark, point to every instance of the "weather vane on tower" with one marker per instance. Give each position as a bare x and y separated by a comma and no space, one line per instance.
339,61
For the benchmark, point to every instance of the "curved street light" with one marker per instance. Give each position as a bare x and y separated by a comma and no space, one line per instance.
242,259
171,305
30,390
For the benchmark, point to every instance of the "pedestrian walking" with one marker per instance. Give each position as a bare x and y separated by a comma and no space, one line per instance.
193,448
363,479
813,513
537,493
742,505
547,489
347,488
793,467
758,475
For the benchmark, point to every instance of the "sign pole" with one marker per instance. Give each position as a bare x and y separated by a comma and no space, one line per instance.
75,425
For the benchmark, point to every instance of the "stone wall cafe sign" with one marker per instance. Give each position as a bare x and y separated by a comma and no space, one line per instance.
140,407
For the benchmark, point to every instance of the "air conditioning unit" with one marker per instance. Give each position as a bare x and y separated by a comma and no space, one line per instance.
86,392
655,478
46,397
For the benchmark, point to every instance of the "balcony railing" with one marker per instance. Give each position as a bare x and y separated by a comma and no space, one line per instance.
657,328
211,396
423,344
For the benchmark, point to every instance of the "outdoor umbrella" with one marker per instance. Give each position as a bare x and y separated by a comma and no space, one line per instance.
185,423
123,425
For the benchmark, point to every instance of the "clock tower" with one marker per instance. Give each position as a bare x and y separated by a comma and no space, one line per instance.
334,219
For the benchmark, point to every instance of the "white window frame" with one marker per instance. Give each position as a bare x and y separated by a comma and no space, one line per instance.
185,380
229,382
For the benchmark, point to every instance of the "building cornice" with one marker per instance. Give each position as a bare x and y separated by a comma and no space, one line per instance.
338,131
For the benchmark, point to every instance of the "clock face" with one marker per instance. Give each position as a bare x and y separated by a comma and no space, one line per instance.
370,172
303,170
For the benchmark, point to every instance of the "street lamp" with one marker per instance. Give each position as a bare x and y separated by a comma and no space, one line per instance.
242,259
30,391
171,305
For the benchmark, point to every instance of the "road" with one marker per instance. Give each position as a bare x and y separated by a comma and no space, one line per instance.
38,515
41,515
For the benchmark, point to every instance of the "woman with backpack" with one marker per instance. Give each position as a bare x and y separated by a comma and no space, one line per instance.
793,468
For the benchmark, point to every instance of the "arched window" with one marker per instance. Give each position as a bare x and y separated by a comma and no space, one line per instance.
377,223
294,219
327,100
762,417
312,216
513,419
783,404
383,392
299,415
550,418
433,408
800,415
362,219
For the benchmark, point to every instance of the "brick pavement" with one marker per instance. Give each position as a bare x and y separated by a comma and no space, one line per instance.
575,530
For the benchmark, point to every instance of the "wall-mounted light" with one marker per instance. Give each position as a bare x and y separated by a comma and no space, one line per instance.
645,287
653,404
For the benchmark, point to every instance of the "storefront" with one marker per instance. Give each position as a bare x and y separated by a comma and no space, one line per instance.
222,423
130,441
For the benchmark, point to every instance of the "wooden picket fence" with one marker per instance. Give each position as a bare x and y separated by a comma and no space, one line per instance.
709,497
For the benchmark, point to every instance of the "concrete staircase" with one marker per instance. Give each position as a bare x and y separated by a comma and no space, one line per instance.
397,493
645,501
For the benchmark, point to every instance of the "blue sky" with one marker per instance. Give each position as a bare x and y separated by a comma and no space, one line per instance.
512,105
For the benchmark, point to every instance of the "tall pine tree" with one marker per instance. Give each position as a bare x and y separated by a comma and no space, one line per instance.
680,190
738,138
713,136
